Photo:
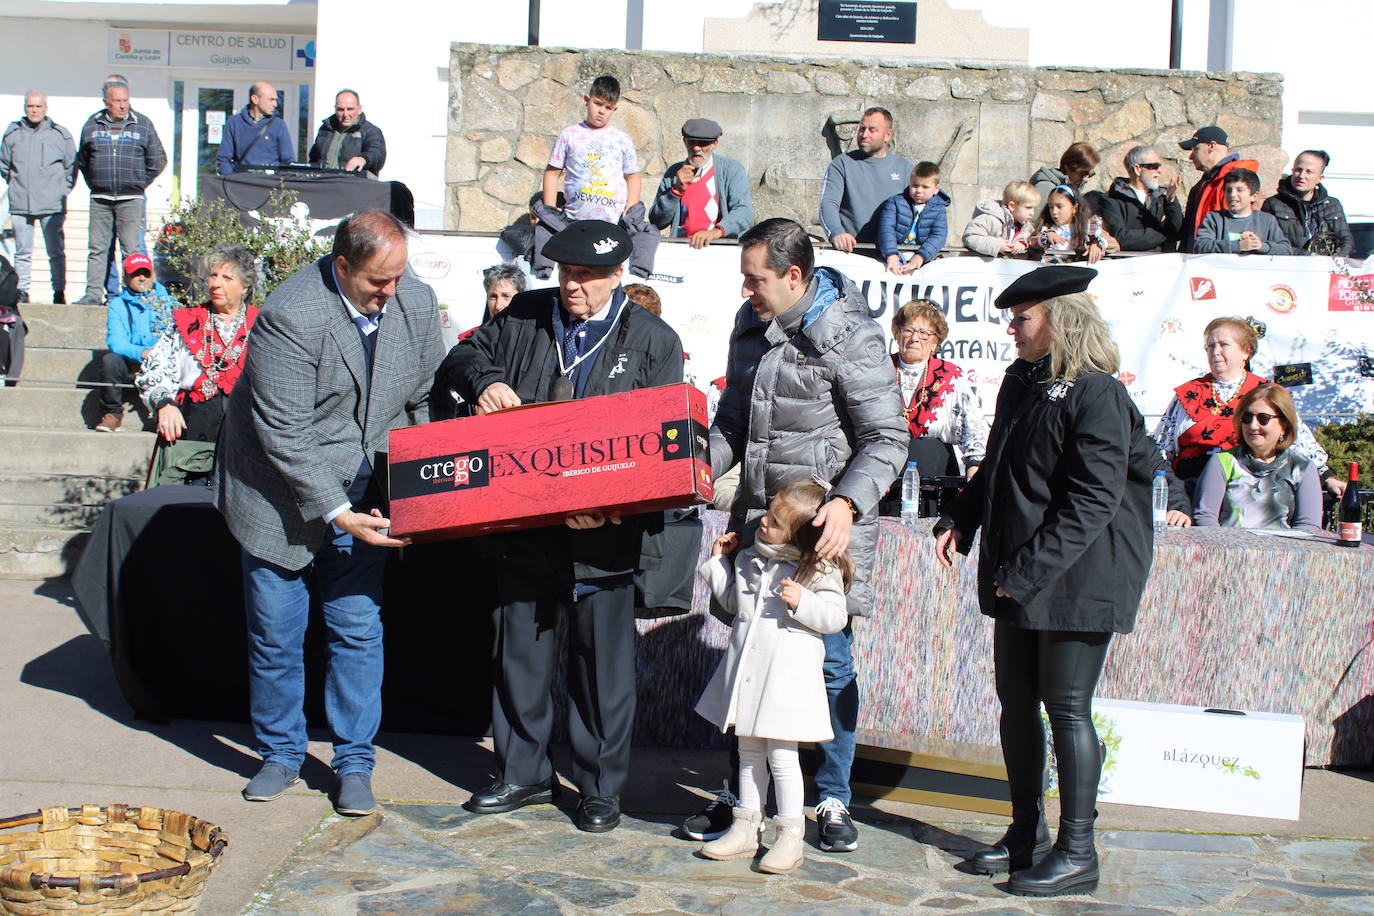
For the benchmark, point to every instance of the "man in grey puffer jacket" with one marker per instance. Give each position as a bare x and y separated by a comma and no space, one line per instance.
810,390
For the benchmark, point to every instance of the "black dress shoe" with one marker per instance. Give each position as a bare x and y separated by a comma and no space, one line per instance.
503,796
598,813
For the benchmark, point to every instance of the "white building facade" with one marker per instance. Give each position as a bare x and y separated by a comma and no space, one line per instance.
190,64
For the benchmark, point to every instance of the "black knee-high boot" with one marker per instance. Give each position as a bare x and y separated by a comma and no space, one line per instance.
1071,866
1027,840
1025,843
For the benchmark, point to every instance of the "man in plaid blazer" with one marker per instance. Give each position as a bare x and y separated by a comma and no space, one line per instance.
343,352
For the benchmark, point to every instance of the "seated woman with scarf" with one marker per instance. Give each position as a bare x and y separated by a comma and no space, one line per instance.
187,377
1262,482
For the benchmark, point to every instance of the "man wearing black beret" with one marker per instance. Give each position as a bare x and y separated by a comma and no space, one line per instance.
1063,503
579,339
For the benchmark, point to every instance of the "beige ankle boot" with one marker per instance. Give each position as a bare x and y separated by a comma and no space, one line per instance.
741,840
786,853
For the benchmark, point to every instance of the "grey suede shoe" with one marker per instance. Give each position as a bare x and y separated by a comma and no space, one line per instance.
270,784
355,795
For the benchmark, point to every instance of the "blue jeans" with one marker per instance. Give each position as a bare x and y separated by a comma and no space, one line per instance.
835,758
347,578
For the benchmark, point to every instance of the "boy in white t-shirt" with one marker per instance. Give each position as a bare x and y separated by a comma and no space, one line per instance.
596,163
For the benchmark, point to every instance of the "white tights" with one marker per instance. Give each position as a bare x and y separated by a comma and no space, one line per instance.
759,755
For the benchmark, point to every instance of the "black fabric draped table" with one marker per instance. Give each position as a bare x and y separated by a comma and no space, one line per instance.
160,582
327,197
1229,618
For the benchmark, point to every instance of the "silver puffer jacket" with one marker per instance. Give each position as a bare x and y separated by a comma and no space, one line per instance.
813,392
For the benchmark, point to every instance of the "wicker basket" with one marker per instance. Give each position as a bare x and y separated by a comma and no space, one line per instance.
106,859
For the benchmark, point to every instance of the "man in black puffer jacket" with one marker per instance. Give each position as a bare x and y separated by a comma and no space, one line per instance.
1312,220
1140,214
347,139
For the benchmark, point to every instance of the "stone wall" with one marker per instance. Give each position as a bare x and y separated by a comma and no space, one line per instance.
986,124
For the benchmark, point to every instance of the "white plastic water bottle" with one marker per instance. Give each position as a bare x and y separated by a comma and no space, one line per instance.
1159,499
911,494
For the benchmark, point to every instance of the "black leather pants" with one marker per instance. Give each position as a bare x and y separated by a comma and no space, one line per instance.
1060,668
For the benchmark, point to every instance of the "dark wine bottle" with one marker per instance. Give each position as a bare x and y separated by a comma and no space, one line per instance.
1348,515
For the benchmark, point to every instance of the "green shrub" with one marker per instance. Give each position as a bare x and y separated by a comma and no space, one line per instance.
282,244
1346,442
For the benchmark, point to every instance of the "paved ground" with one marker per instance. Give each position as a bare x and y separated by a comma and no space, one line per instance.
70,739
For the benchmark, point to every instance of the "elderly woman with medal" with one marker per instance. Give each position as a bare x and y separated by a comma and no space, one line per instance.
1063,505
189,373
941,409
577,340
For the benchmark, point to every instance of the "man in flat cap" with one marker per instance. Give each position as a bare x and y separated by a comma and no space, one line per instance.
1208,151
704,197
1063,502
577,340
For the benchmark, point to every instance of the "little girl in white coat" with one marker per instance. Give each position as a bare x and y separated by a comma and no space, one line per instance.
770,686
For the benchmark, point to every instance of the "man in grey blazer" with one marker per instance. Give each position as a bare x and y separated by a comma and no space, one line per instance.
343,352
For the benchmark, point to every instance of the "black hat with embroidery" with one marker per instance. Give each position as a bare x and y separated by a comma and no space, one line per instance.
589,243
1045,283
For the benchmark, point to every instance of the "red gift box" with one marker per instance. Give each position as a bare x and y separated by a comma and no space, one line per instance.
641,451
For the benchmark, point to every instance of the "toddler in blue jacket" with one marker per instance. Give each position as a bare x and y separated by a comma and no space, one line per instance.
914,217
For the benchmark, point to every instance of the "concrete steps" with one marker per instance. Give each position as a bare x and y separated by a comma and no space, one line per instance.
62,326
34,406
57,473
37,552
28,489
46,365
84,452
50,515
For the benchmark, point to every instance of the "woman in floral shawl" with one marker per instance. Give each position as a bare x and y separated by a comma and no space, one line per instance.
188,375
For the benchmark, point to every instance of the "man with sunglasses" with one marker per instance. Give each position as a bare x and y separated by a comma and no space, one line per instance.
1210,152
1140,213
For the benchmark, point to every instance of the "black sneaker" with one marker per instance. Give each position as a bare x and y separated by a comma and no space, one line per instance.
834,828
713,820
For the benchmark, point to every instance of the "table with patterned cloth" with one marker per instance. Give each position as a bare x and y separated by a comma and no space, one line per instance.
1230,618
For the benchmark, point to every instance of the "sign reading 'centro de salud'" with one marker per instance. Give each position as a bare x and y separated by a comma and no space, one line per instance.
889,21
210,50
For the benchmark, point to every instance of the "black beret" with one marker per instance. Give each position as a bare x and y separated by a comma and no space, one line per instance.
701,129
589,243
1045,283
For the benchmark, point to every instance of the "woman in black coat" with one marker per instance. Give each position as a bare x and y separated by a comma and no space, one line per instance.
1063,501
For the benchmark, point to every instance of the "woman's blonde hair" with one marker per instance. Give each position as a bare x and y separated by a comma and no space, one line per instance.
1080,340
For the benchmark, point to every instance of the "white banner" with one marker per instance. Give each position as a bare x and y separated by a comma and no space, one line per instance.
1157,305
